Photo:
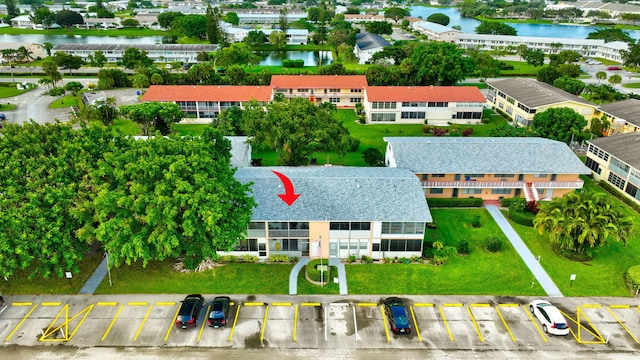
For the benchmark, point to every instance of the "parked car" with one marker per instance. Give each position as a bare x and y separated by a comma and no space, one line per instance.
1,300
219,311
189,311
550,317
397,315
614,68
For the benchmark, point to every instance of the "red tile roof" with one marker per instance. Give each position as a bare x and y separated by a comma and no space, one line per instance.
318,81
424,93
207,93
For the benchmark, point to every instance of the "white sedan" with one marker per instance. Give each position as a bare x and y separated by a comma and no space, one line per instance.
552,320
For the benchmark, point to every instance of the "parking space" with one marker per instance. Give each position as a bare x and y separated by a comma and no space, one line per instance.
301,323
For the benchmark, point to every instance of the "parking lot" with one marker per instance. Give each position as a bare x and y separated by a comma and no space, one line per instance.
605,325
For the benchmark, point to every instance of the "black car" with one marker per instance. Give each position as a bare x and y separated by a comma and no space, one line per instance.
189,311
219,311
397,315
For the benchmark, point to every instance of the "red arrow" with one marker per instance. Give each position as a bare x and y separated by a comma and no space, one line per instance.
288,197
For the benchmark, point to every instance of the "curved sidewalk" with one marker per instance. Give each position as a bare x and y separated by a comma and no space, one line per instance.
342,275
543,278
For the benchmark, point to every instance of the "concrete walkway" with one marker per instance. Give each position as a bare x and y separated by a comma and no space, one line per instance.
94,281
543,278
342,275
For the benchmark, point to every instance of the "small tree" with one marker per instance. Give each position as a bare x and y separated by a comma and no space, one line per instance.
373,157
58,91
73,87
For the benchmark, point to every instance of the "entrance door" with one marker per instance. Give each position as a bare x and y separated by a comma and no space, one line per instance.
304,247
333,249
455,193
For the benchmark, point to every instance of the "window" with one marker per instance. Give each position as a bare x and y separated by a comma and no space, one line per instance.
399,245
594,166
413,115
350,226
468,115
501,191
402,227
246,245
539,176
334,100
436,191
414,104
356,90
334,90
474,176
355,100
303,90
503,175
616,181
598,152
383,105
378,117
432,104
472,191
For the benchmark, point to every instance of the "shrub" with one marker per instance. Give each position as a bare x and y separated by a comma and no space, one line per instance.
279,258
633,277
518,212
313,273
613,191
366,259
293,259
438,131
476,221
416,258
484,120
463,247
351,259
362,119
426,128
228,259
292,63
467,132
454,202
191,263
432,225
441,254
249,258
506,202
353,144
493,244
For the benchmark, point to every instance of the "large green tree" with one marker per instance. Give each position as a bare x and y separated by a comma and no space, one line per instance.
610,35
495,28
163,198
68,18
439,18
156,115
133,58
582,220
631,57
558,123
396,13
166,19
295,128
438,63
378,27
570,85
192,25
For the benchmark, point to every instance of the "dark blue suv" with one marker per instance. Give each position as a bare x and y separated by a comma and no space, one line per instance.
189,311
397,315
219,311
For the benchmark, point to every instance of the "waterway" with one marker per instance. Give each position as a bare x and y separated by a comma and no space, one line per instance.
468,25
311,58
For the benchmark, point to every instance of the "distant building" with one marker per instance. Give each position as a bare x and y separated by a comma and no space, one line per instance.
368,44
158,52
435,31
37,51
624,116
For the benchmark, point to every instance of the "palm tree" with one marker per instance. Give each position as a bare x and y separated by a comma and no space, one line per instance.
25,55
10,55
582,220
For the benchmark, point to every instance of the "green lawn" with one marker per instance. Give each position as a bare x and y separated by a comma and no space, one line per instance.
480,272
19,282
68,100
159,278
520,68
305,287
9,90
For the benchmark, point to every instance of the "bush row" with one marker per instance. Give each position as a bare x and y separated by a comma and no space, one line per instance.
521,218
233,259
615,192
633,277
292,63
457,202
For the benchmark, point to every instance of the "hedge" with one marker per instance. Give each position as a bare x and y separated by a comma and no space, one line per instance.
506,202
454,202
633,277
615,192
292,63
314,274
521,218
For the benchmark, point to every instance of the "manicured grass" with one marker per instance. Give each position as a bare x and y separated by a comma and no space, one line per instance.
635,85
19,282
520,68
68,100
306,287
160,278
189,129
10,89
126,126
480,272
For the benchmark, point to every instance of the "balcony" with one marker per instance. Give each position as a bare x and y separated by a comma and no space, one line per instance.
501,184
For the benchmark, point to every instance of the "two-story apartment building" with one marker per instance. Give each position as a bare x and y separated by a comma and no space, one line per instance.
623,116
521,98
438,105
186,53
436,32
344,91
341,211
488,168
616,160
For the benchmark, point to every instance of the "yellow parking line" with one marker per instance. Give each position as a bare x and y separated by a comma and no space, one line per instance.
367,304
481,305
413,315
506,325
295,324
535,324
264,323
254,304
165,303
452,305
423,305
21,322
619,306
310,304
473,319
112,322
51,303
136,303
623,325
106,303
509,305
446,325
173,322
204,322
235,320
384,322
86,314
594,306
21,304
281,304
142,323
